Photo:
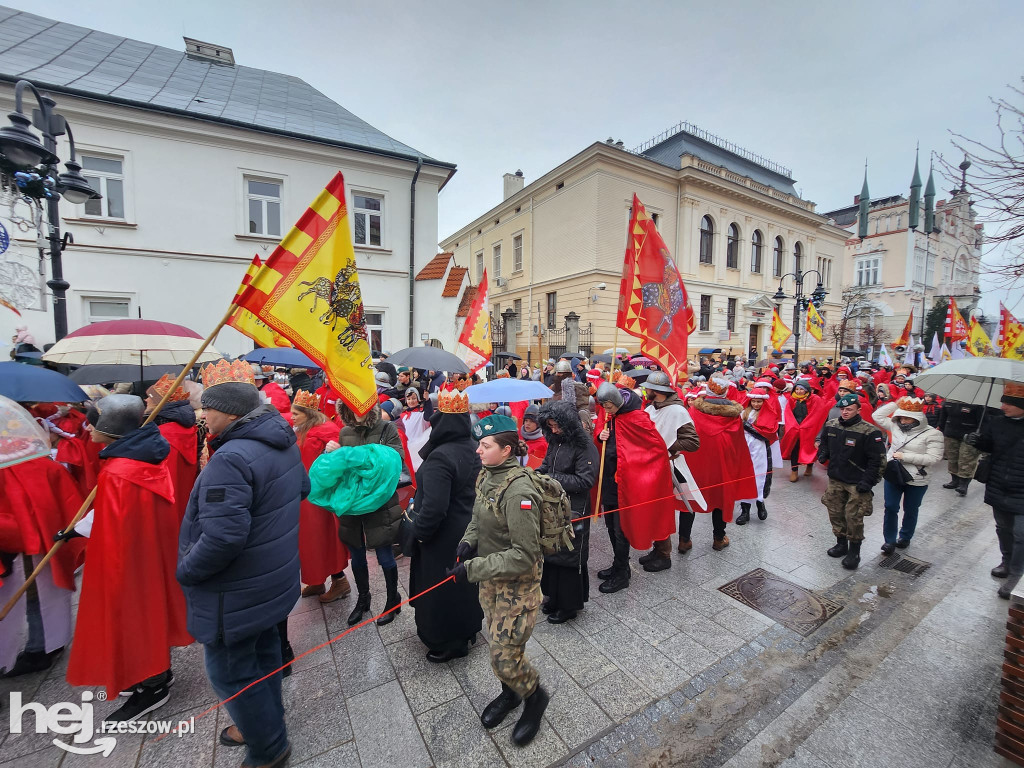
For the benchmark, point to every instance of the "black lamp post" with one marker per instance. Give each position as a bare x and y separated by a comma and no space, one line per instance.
817,296
31,167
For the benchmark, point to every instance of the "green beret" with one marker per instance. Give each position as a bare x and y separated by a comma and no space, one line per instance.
492,425
850,399
402,369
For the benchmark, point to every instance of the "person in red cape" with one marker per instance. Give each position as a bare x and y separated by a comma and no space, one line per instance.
636,477
75,450
132,610
177,423
805,415
761,431
532,435
40,497
273,393
328,401
321,553
722,468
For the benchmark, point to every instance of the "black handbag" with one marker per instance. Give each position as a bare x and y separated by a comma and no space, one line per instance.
407,530
896,473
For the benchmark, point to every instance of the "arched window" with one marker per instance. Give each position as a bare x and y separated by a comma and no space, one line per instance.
798,257
755,251
707,232
777,258
732,248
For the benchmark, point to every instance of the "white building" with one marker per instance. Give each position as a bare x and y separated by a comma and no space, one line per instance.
203,162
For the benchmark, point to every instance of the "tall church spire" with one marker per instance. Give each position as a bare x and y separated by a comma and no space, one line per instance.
929,201
915,194
865,202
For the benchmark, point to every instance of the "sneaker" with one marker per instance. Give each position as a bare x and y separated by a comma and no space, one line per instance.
141,702
130,691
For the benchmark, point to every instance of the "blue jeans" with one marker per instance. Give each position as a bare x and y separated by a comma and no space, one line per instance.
385,557
911,496
259,712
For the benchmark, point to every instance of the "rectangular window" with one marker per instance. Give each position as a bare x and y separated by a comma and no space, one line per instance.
705,312
552,309
517,307
869,272
517,253
368,216
263,207
918,267
375,330
656,218
100,309
496,260
480,266
106,176
730,315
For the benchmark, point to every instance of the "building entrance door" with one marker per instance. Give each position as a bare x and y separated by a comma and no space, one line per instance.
752,346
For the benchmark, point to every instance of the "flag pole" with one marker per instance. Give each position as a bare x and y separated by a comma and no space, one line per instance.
604,443
92,494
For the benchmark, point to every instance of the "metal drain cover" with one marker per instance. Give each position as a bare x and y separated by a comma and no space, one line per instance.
783,601
904,564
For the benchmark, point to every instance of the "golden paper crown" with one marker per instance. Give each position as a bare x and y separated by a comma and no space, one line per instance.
717,386
305,399
222,372
163,385
623,380
461,384
450,400
910,404
1013,389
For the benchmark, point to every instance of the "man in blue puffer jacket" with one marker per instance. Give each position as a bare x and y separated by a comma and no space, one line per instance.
238,557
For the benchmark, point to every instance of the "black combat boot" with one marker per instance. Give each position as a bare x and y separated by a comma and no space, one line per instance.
1001,571
954,482
394,596
529,721
962,487
762,511
496,712
606,573
744,517
361,576
649,557
839,549
852,559
615,582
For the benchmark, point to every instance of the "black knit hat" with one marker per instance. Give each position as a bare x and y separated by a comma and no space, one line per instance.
236,398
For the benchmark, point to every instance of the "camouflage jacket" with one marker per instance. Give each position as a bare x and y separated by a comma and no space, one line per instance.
855,452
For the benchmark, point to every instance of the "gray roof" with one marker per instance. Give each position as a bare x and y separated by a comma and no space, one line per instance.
669,152
81,61
846,216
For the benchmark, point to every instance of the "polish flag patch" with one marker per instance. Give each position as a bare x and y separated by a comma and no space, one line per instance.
526,504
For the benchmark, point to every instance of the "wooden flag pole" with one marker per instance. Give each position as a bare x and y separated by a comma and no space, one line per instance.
92,494
608,423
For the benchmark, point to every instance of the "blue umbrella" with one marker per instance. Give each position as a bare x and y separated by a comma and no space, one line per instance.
508,391
285,357
32,384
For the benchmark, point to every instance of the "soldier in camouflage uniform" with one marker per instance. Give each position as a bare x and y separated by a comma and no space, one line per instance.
855,453
501,552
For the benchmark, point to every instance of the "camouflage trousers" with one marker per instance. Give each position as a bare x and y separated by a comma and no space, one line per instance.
961,457
510,610
847,508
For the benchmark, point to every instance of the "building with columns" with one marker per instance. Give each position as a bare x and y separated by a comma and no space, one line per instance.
733,221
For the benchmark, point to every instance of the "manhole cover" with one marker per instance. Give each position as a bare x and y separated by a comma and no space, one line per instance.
904,564
783,601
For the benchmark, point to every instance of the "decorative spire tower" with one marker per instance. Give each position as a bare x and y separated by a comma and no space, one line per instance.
915,194
929,201
865,202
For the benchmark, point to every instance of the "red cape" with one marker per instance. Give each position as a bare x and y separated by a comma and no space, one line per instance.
538,448
132,609
721,467
328,401
646,494
279,399
40,498
181,462
321,552
82,456
807,430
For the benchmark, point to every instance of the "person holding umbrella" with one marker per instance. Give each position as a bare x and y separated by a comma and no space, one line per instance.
1003,438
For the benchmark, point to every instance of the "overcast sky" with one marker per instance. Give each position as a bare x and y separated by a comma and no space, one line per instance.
495,86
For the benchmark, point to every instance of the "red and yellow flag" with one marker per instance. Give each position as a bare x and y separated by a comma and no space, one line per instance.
653,305
904,339
978,342
815,322
247,323
476,332
308,291
1010,337
956,328
780,331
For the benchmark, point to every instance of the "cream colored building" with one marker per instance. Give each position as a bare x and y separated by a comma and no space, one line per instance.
900,270
733,222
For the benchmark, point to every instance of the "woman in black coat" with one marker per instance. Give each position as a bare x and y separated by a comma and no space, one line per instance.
449,617
572,459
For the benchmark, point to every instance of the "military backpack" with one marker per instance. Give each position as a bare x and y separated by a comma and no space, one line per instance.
556,532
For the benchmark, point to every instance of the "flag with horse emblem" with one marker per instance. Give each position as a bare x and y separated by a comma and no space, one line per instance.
978,342
308,291
815,322
653,305
247,323
1011,335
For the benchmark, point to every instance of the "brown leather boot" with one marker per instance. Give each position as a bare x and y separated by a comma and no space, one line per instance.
809,470
794,475
684,546
720,544
312,590
339,588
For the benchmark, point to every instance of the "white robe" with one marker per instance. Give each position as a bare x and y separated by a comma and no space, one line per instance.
417,431
667,421
54,606
759,457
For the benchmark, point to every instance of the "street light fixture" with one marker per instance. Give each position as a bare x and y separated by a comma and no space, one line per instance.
817,297
30,167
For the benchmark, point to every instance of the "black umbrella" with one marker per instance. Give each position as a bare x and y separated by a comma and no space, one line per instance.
428,359
510,355
105,374
33,384
601,359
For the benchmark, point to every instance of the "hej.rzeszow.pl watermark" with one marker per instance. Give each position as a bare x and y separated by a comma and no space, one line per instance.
66,719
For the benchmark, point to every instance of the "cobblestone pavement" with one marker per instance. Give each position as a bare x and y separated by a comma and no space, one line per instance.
668,672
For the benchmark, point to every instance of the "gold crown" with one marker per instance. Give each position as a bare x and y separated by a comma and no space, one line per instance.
1013,389
910,404
717,386
461,384
163,385
305,399
450,400
223,372
623,380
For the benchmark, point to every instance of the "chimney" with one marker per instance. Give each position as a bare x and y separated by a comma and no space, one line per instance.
513,183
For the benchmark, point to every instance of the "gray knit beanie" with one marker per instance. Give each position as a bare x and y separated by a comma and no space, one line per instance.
236,398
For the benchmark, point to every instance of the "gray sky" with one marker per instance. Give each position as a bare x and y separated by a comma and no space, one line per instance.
815,86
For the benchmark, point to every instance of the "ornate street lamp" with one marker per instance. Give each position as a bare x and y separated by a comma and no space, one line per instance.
30,168
817,297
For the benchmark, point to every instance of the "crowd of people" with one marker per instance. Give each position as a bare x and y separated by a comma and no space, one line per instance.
254,488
